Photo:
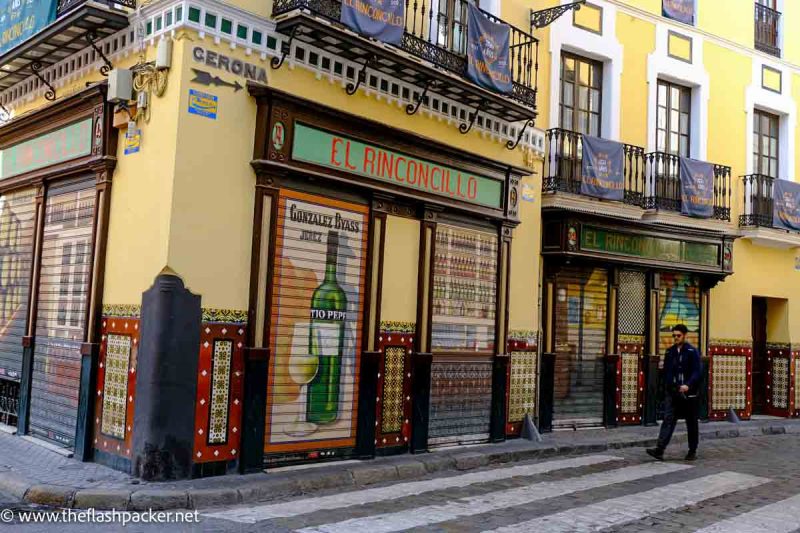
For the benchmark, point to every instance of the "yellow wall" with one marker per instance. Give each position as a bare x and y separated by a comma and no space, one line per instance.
525,246
400,270
637,36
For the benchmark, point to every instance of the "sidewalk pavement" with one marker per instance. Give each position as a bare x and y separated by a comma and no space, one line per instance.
37,475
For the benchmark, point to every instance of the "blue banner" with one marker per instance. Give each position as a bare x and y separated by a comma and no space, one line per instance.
488,62
697,188
680,10
602,169
786,212
22,19
383,20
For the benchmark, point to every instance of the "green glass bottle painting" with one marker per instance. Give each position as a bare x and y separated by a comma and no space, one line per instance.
326,340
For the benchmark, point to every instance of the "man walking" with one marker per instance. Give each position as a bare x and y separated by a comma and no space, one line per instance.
682,375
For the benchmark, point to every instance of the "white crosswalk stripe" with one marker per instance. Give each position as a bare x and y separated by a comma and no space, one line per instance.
779,517
427,515
254,514
626,509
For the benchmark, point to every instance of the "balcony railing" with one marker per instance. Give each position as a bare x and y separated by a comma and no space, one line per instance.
767,22
663,185
440,38
758,203
563,165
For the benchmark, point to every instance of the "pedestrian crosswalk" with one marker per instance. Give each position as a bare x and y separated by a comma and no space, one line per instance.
578,494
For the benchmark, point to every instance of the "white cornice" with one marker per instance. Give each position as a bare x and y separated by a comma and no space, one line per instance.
162,19
771,238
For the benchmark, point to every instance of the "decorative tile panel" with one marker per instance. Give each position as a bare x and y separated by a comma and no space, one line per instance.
780,383
729,379
522,389
225,316
461,399
220,382
122,310
119,347
796,377
220,391
394,369
389,326
630,383
115,385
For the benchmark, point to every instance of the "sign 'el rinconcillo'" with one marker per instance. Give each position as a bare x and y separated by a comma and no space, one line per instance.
22,19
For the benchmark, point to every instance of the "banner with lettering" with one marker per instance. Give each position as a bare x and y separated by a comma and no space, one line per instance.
680,10
383,20
488,62
697,188
602,174
22,19
786,210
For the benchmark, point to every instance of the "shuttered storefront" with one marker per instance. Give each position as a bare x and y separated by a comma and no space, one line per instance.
463,334
61,311
316,330
581,307
17,222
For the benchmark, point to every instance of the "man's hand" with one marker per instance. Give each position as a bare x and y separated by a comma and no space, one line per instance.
684,388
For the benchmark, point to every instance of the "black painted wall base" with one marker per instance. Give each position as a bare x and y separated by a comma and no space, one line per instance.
256,368
497,423
652,391
367,413
420,401
123,464
166,383
610,391
24,408
547,376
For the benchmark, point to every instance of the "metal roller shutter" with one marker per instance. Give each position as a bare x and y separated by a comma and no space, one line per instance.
463,322
17,222
61,311
581,311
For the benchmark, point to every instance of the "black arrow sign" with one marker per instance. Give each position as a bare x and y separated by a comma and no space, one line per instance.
205,78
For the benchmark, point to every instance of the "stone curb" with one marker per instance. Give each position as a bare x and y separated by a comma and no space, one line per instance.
288,484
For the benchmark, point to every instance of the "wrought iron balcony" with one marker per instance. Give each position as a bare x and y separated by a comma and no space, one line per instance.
75,20
758,204
431,55
663,185
767,22
563,166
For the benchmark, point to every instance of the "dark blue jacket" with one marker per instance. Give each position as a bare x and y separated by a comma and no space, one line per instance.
683,368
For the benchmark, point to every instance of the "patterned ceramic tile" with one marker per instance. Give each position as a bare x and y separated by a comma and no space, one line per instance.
796,388
398,327
522,393
630,383
122,310
227,316
729,381
780,383
220,391
115,385
392,414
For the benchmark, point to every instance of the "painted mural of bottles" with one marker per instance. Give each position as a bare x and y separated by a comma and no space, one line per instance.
326,339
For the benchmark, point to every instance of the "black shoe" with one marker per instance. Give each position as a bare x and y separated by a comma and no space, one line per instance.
691,456
656,453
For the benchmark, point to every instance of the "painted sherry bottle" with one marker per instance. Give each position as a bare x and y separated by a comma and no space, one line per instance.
326,340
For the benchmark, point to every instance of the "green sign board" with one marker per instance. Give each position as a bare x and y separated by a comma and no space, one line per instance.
22,19
348,155
646,247
70,142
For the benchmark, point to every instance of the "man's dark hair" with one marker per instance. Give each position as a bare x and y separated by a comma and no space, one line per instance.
680,327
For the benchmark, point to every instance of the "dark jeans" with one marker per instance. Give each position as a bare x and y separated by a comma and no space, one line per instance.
676,406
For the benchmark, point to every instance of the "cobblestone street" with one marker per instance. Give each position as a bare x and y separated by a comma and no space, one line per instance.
746,485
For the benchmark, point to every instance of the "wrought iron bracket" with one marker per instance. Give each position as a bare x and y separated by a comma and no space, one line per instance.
545,17
286,47
513,144
413,108
91,38
361,77
5,114
466,127
50,94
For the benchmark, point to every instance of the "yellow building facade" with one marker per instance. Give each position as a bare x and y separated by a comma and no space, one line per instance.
291,242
